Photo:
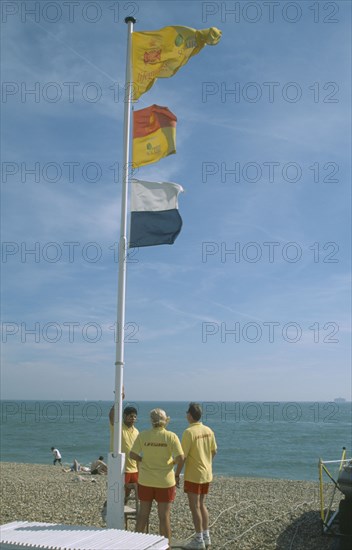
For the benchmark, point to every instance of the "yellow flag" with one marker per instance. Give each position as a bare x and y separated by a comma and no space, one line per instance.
160,54
154,135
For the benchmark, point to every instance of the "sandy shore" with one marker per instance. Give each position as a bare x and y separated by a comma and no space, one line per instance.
245,514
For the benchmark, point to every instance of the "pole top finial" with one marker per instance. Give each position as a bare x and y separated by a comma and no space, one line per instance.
130,19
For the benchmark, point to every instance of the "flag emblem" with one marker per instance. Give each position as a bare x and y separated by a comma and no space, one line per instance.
152,56
154,135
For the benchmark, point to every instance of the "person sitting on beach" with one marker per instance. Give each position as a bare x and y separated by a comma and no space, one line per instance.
129,435
76,467
199,447
156,451
99,467
57,455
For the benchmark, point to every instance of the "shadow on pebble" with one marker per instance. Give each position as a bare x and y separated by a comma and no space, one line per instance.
305,533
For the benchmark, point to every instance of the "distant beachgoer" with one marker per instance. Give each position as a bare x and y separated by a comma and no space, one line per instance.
156,451
99,467
57,455
76,467
199,447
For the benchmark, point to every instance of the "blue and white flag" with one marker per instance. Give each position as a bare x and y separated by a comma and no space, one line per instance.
155,218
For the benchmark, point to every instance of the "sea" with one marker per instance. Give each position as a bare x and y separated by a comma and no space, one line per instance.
282,440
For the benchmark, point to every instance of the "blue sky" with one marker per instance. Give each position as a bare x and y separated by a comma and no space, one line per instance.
252,302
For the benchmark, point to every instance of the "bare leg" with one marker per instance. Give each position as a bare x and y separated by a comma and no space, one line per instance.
204,513
143,515
164,509
194,504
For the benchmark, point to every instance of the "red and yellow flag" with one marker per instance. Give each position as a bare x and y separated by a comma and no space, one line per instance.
154,135
160,54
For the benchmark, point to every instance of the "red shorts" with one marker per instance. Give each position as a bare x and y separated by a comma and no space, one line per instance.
196,488
131,477
160,495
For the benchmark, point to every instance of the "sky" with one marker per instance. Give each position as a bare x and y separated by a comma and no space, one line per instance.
252,302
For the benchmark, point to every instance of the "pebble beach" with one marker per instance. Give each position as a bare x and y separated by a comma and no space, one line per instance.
245,513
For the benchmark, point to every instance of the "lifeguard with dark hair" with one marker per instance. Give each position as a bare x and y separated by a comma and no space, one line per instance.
129,434
199,447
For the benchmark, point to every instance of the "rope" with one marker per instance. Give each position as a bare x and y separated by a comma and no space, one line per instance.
264,521
294,535
225,510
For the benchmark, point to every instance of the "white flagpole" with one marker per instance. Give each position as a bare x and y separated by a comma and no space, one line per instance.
116,461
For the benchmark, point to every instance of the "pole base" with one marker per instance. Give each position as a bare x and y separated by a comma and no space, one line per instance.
116,482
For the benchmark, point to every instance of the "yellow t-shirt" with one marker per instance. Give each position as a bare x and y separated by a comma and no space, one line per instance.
157,447
198,444
129,436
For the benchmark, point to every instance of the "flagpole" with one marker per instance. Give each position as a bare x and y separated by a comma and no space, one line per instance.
116,461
